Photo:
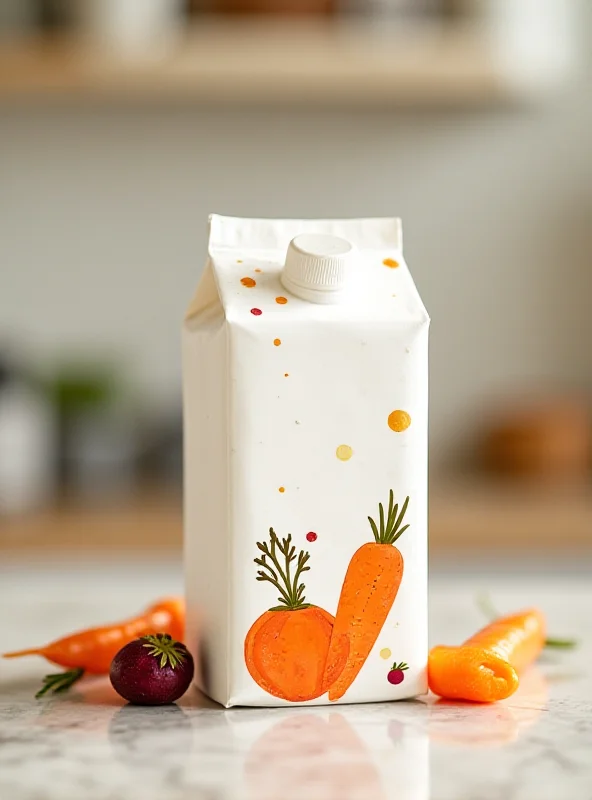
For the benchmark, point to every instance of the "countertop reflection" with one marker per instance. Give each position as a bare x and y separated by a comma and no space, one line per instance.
90,745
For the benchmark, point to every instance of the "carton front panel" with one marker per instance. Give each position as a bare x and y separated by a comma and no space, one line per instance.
328,424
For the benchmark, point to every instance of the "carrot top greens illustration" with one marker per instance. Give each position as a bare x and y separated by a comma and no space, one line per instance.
391,531
278,573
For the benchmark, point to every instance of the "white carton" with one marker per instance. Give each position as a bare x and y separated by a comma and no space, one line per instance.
306,465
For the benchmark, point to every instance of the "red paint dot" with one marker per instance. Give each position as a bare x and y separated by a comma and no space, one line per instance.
256,312
311,536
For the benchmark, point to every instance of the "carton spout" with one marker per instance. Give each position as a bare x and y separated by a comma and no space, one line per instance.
318,267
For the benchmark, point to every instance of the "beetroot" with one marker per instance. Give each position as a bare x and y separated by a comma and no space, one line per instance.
397,673
152,671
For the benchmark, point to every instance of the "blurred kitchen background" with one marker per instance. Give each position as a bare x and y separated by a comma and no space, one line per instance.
124,123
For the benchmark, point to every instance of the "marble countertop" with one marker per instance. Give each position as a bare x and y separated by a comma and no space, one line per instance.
89,745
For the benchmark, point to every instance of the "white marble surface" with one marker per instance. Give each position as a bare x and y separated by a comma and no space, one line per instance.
90,746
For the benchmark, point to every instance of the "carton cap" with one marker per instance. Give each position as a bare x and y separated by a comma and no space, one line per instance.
317,267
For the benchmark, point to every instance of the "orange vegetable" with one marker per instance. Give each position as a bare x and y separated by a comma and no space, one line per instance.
91,651
369,590
287,647
486,667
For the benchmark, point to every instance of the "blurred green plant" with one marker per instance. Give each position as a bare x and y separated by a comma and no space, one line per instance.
77,388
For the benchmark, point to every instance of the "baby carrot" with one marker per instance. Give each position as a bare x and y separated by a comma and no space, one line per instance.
91,651
551,642
485,668
369,590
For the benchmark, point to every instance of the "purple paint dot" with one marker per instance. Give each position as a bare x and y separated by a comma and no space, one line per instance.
256,312
311,536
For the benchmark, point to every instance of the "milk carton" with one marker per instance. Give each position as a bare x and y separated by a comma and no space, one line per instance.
305,355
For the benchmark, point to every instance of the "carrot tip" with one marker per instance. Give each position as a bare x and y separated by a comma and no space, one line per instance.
19,653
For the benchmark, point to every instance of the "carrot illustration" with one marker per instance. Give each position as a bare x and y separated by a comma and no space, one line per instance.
91,651
485,668
369,590
287,648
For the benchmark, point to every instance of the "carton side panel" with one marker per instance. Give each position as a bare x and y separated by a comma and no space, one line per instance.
206,542
418,545
206,294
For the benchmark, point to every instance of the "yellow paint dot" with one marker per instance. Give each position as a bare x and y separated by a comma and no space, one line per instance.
277,342
344,452
390,262
282,489
385,653
399,421
239,261
281,301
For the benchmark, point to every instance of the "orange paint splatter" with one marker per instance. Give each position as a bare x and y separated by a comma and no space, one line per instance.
286,375
281,301
390,262
277,342
258,270
248,282
282,489
399,421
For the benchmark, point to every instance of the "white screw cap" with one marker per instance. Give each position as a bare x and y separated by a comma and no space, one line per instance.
317,266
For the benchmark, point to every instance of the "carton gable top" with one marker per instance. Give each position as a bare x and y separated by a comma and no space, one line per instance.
246,257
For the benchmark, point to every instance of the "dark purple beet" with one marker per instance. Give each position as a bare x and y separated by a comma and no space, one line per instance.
397,673
152,671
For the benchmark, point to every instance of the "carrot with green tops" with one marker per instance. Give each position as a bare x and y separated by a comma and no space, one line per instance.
286,647
369,590
91,651
486,667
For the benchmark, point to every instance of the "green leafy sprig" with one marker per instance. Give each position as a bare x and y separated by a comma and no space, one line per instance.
60,681
402,666
166,648
277,569
389,529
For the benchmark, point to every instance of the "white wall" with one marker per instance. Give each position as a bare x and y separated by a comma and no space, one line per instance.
103,210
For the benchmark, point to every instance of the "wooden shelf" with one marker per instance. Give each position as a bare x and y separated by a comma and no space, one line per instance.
482,516
465,518
325,64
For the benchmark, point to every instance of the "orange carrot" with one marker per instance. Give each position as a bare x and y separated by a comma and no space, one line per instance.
486,667
91,651
369,590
